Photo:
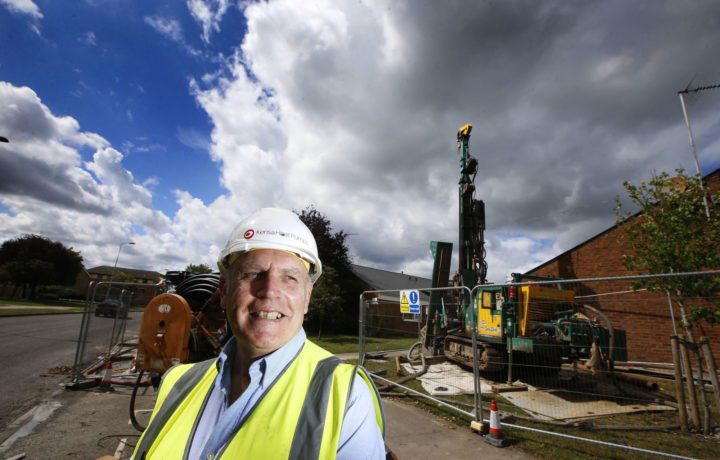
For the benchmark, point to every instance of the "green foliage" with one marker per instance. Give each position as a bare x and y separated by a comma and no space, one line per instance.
332,247
199,269
673,235
333,252
33,260
326,302
122,277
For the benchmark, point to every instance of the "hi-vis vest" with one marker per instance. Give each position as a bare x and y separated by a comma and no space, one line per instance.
299,417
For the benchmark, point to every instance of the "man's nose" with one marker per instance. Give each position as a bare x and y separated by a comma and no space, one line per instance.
268,285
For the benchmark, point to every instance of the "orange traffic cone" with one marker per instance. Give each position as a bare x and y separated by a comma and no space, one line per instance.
495,436
106,381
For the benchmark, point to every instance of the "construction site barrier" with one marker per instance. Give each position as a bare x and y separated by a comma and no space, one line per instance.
612,357
101,339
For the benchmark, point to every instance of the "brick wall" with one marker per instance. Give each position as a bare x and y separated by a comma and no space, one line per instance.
644,316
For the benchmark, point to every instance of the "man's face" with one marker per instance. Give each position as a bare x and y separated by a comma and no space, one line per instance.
266,294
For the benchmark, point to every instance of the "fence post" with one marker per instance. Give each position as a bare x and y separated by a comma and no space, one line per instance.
710,360
82,335
703,393
679,392
361,330
478,423
690,383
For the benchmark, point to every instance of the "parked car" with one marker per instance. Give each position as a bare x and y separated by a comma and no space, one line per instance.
109,307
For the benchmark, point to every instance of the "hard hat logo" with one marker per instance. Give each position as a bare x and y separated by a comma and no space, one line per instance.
273,228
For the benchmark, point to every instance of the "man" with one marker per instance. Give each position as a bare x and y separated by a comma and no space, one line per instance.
271,393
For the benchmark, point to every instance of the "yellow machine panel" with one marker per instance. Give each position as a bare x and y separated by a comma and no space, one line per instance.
489,319
538,305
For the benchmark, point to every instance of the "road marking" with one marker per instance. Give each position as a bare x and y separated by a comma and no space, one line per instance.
28,421
120,448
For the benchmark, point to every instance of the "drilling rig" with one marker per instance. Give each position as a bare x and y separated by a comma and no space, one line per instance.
528,325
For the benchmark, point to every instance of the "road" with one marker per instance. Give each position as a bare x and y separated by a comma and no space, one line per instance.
30,346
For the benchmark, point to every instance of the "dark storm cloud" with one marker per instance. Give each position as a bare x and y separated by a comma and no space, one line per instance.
45,182
565,98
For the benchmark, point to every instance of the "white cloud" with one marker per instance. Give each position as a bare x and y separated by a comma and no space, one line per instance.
353,107
208,13
49,190
88,38
26,7
172,30
168,27
193,138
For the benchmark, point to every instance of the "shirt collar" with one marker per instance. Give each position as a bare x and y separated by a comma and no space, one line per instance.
269,366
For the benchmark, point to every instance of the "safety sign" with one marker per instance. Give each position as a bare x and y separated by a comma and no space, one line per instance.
410,301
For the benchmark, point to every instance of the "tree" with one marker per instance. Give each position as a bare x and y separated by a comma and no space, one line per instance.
326,302
332,247
333,252
122,277
199,269
33,260
674,234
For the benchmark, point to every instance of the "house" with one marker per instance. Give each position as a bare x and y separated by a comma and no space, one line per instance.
384,317
645,316
141,295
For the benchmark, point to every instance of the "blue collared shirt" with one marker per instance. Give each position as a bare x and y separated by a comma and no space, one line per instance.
360,437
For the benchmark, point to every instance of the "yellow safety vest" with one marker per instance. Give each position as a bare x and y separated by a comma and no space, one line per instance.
299,417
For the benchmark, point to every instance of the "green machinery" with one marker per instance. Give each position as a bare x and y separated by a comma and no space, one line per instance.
531,325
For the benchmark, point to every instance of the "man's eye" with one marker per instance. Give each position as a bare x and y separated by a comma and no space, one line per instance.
249,275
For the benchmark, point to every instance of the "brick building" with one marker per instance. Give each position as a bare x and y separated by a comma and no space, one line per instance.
142,294
384,317
645,316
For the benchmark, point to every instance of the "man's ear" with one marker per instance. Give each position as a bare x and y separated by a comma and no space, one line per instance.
308,296
221,292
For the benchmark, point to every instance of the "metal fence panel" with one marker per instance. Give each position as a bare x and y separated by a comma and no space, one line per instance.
103,329
391,342
564,358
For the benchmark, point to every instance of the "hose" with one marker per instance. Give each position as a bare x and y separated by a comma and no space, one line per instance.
413,353
133,420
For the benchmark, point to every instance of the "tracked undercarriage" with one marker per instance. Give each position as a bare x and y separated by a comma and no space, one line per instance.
459,349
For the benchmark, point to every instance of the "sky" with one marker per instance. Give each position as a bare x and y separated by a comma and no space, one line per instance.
165,123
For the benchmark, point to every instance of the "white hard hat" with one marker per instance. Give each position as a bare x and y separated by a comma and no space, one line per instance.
273,228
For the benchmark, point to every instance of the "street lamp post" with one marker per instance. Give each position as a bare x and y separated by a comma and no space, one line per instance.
112,276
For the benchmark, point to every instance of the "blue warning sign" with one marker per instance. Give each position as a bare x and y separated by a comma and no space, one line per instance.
414,298
410,301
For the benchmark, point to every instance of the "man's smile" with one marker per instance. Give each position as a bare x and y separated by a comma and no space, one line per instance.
267,314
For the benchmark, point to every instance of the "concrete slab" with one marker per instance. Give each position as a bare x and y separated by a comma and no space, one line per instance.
551,405
448,379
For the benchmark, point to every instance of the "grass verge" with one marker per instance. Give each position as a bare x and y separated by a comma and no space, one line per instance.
12,307
50,303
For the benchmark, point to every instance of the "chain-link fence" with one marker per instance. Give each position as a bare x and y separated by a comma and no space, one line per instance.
583,360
